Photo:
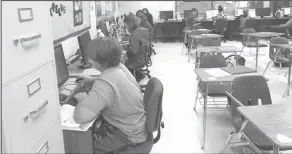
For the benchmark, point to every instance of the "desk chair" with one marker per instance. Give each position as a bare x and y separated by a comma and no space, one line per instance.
144,67
250,42
214,90
246,91
220,27
153,104
206,42
278,56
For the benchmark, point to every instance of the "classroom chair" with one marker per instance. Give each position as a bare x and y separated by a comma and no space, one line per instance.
216,89
153,103
250,42
278,56
247,91
220,27
190,43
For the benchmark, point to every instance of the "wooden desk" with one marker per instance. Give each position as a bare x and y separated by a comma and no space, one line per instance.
271,120
286,46
208,79
259,35
168,30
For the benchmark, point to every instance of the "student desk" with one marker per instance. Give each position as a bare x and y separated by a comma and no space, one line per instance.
218,49
259,35
272,120
186,32
286,46
207,80
203,36
171,29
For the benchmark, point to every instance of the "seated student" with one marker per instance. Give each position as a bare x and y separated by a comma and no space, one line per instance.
220,15
287,26
242,18
115,95
144,21
149,16
136,57
191,20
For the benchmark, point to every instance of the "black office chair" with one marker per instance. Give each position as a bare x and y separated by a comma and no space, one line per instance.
250,42
153,102
220,27
207,42
246,91
280,57
214,90
143,68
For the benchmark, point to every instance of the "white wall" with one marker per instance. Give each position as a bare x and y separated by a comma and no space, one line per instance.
153,6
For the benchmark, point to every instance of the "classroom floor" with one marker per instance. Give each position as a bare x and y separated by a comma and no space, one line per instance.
183,127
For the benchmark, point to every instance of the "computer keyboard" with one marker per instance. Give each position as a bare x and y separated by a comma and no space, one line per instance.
80,88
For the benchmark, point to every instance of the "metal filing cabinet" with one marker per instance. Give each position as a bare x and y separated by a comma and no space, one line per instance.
30,104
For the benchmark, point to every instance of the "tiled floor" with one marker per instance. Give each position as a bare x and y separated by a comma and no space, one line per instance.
182,132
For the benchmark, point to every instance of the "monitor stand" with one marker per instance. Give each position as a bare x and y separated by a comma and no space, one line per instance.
84,64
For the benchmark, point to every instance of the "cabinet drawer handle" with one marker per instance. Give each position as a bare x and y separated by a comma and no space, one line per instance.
25,39
36,111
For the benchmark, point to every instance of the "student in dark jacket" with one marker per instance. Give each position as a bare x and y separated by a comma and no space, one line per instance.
139,37
191,20
149,16
144,22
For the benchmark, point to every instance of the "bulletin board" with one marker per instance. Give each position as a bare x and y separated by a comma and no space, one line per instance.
69,17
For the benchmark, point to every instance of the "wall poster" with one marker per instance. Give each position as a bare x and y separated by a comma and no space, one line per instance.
77,13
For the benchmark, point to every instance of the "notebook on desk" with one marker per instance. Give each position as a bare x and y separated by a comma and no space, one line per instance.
68,122
238,70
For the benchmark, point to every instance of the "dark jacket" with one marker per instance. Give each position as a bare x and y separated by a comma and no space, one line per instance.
150,18
139,38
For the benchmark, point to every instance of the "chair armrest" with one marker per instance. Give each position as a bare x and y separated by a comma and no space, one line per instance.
234,99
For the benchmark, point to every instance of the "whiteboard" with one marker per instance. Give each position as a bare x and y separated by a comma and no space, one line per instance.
63,23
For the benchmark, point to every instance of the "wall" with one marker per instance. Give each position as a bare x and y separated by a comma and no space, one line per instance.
153,6
64,25
201,6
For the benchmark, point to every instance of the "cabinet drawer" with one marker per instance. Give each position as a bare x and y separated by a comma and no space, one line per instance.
31,104
51,141
27,38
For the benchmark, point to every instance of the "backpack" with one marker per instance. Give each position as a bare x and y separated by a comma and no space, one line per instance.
231,60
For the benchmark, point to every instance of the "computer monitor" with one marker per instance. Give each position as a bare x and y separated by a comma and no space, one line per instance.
188,13
287,11
83,41
166,15
238,12
214,13
209,15
252,13
61,66
263,12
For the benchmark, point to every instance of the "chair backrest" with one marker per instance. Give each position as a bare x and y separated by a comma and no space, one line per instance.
221,25
212,61
153,103
249,90
277,40
246,39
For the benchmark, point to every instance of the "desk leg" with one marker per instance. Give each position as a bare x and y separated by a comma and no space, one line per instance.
205,117
257,54
276,150
236,58
189,50
287,91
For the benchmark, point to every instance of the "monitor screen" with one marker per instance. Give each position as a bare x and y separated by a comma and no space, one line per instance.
83,41
287,11
214,13
166,14
61,66
238,12
209,15
188,13
252,13
263,12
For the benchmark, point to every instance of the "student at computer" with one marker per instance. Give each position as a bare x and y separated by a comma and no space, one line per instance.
136,57
242,18
144,21
220,15
191,20
287,26
116,96
149,16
